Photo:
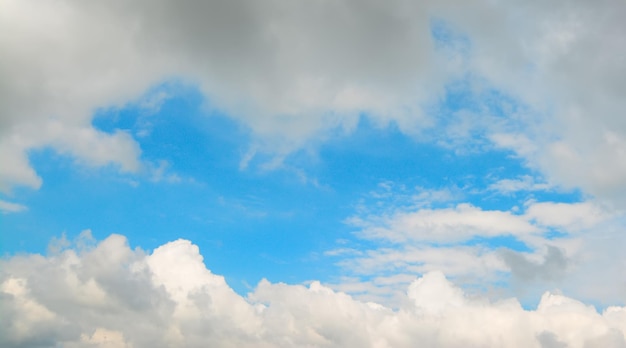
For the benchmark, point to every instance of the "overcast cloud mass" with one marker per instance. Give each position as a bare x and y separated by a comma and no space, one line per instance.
435,266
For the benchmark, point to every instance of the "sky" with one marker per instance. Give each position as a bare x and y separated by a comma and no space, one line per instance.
312,174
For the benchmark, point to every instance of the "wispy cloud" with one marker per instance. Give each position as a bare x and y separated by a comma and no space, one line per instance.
10,207
539,246
523,183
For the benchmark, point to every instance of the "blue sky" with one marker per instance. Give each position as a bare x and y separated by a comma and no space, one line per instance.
253,223
407,163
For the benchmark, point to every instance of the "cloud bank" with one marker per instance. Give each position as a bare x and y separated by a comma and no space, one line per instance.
107,295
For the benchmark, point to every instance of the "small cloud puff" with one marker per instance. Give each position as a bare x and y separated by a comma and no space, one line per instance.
10,207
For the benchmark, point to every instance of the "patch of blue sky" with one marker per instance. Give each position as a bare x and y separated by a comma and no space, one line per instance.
371,156
471,98
555,233
446,37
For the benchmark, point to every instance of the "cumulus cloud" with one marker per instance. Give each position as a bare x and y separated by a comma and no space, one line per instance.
109,295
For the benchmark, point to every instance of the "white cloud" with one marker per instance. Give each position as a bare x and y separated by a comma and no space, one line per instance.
10,207
169,298
102,338
516,252
160,172
475,262
568,216
444,225
523,183
417,221
382,274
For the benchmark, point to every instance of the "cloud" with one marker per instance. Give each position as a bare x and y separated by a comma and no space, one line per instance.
569,216
517,252
444,225
416,220
10,207
523,183
274,67
573,133
290,72
110,295
381,274
553,266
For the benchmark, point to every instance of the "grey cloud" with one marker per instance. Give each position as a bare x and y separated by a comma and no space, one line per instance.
548,339
290,71
552,267
564,63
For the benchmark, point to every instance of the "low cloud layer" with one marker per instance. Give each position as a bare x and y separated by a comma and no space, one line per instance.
108,295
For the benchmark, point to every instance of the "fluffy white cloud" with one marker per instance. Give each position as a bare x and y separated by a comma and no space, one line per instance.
108,295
